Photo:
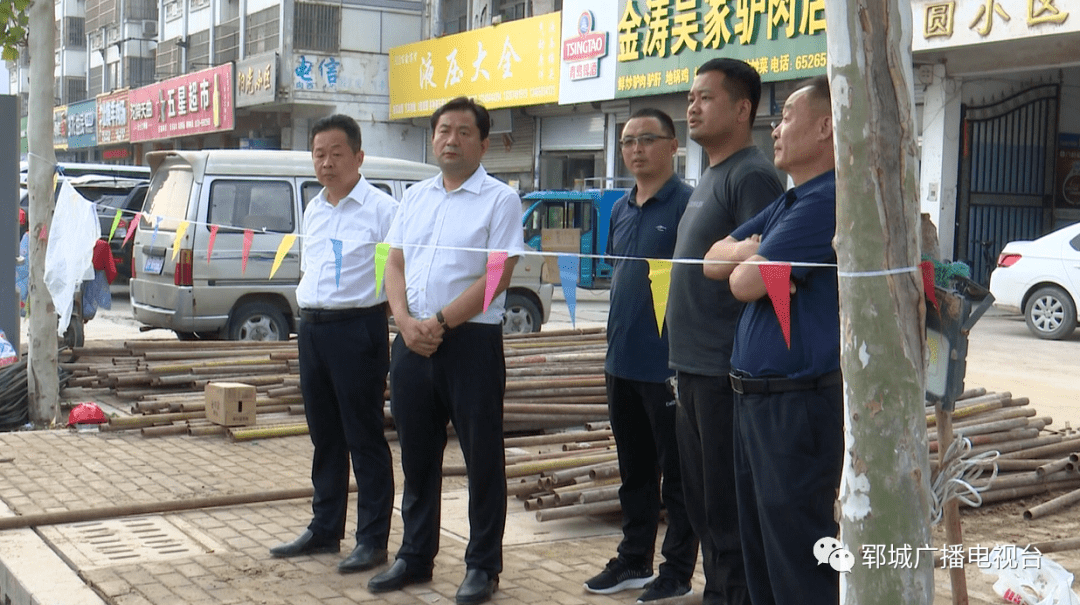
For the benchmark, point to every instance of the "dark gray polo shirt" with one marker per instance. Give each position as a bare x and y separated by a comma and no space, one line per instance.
701,312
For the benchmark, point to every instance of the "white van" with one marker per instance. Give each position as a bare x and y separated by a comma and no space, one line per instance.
266,192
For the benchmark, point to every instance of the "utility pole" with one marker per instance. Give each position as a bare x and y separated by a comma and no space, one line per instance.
42,377
885,488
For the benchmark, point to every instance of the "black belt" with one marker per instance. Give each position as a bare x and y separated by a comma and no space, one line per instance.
316,316
743,385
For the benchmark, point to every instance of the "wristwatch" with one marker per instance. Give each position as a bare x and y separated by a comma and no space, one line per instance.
442,320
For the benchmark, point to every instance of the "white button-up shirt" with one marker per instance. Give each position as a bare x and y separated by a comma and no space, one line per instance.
483,214
359,221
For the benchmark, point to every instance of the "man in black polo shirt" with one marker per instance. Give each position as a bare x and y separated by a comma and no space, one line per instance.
643,224
701,313
789,423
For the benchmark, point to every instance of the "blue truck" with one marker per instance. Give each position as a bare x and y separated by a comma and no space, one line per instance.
572,221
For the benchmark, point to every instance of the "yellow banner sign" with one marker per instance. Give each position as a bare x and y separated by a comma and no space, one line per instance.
507,65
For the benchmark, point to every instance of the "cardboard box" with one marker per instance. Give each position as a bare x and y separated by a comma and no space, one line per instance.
230,403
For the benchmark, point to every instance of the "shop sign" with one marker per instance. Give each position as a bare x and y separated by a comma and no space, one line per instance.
60,126
82,124
943,24
582,52
256,80
112,118
195,103
512,64
661,43
119,153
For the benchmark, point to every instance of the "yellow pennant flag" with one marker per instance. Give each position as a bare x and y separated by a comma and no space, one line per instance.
382,253
181,229
660,283
282,249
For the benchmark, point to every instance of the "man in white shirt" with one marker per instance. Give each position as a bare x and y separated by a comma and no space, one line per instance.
447,363
344,350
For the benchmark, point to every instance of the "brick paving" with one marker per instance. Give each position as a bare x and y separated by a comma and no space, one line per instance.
68,471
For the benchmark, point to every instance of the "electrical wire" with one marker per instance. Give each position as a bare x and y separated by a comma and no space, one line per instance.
955,478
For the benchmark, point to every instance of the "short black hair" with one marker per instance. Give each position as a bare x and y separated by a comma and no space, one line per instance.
661,116
819,89
741,81
340,122
483,119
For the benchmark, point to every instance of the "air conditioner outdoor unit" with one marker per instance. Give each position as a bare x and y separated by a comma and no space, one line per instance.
149,29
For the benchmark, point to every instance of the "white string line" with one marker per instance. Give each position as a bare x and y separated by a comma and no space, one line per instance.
606,257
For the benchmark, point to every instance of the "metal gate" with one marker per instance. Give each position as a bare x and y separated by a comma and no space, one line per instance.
1006,174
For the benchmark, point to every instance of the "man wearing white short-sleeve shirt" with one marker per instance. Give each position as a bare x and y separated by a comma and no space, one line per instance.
447,362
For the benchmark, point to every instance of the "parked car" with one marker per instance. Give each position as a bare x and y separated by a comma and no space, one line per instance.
1041,280
264,192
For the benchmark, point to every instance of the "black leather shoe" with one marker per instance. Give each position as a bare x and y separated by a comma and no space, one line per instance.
362,557
477,587
306,544
397,577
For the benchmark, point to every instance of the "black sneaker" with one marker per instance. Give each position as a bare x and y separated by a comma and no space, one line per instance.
664,588
618,576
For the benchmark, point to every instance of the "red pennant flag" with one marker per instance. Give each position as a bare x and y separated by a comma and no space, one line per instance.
928,281
210,245
777,278
135,221
249,235
42,235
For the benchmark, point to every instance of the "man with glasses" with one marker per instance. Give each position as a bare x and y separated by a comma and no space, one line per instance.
642,411
701,313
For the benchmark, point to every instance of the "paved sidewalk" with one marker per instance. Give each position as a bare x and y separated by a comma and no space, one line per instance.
219,555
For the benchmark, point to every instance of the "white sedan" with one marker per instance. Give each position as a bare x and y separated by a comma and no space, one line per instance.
1041,279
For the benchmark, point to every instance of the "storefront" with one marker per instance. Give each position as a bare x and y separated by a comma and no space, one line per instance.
1000,125
112,129
193,111
511,68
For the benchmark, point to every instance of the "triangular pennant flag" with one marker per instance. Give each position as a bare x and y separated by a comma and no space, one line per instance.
153,236
43,234
659,284
210,244
336,243
382,252
568,273
777,278
181,229
249,236
131,228
282,250
928,281
115,222
495,263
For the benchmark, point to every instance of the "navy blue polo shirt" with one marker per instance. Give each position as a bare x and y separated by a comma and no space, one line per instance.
635,350
797,227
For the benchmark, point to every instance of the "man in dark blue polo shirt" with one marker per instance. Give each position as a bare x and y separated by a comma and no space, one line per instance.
789,437
644,224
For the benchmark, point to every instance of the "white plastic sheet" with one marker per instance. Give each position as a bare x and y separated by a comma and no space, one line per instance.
69,256
1031,581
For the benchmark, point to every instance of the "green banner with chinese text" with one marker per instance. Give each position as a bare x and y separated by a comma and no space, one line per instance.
661,43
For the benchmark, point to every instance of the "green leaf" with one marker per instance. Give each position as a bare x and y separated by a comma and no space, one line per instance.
9,54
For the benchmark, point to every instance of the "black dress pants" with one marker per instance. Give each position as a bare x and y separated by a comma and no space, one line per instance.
343,366
789,450
462,382
706,452
643,421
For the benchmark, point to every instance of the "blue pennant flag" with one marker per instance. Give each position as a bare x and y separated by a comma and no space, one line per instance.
568,274
336,243
157,223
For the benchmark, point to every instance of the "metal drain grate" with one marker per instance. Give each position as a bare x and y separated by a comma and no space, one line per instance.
111,542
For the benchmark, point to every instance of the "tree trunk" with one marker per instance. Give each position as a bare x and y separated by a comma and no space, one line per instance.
884,492
42,376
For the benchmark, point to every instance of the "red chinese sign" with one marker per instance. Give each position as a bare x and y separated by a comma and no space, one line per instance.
112,118
194,103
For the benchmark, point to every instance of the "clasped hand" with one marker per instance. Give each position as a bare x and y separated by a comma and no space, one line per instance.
423,337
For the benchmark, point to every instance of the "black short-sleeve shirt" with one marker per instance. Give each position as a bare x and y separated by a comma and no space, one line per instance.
701,312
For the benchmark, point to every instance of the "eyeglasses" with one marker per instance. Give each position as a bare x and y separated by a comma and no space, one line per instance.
645,140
